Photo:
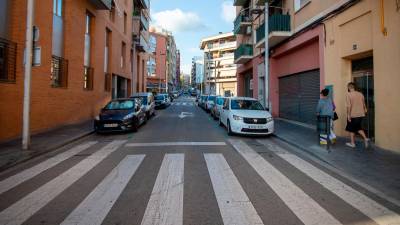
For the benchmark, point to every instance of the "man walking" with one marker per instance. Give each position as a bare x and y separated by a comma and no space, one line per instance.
356,111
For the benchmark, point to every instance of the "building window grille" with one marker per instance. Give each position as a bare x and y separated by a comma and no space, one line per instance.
59,72
8,56
88,78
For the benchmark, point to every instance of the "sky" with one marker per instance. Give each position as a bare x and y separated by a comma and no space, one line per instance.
190,21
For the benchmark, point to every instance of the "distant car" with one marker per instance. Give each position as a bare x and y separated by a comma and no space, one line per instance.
162,101
120,115
210,102
246,116
202,101
148,103
217,108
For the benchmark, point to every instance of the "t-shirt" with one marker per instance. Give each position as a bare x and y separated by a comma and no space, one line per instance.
325,107
355,100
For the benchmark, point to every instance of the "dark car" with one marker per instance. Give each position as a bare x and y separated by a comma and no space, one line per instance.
162,101
120,115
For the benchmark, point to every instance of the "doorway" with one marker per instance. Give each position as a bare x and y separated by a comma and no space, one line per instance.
363,77
248,89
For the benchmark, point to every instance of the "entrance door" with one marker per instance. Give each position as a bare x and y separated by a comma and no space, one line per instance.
248,91
362,73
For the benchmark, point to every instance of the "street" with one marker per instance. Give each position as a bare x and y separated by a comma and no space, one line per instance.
182,168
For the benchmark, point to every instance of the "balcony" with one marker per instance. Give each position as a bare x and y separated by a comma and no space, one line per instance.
241,2
279,30
142,44
144,22
144,4
102,4
242,22
243,53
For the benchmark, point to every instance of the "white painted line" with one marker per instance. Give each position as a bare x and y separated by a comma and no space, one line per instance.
302,205
27,174
160,144
233,203
178,103
184,103
99,202
20,211
165,206
372,209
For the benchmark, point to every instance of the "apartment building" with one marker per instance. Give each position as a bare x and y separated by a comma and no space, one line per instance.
219,66
141,47
197,72
164,79
81,60
323,44
178,70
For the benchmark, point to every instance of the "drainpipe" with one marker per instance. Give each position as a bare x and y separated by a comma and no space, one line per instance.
27,77
266,58
383,28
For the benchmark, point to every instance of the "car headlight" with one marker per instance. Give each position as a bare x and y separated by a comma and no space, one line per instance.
269,119
97,118
129,116
237,117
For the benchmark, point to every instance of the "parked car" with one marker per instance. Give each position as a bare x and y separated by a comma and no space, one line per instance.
210,102
148,103
175,94
123,114
202,101
162,101
243,115
217,108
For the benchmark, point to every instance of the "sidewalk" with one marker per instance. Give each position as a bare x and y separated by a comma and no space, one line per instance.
376,167
12,154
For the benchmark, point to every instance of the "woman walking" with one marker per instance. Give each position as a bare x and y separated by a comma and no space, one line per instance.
326,107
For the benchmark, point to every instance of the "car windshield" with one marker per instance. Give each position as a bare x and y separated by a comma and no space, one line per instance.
159,97
211,98
246,105
143,99
220,101
120,105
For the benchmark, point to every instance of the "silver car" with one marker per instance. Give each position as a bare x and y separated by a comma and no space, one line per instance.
148,104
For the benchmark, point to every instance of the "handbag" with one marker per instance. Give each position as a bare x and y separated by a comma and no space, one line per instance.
335,116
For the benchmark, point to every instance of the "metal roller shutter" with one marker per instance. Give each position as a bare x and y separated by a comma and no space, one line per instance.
298,96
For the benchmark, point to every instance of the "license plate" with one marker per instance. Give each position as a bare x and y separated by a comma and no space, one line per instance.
111,125
256,127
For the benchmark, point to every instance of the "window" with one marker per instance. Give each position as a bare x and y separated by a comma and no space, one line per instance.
57,7
88,78
88,71
8,57
151,67
107,47
125,22
59,72
123,55
298,4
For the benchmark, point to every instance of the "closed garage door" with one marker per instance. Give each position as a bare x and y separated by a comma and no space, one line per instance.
298,96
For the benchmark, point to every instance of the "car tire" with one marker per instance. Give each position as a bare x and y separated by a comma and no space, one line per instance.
230,133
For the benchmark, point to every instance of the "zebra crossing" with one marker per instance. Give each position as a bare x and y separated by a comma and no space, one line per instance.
166,203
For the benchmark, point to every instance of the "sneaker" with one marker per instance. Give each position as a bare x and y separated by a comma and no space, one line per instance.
366,143
323,142
350,145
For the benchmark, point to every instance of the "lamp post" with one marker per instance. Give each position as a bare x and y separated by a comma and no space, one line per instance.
266,57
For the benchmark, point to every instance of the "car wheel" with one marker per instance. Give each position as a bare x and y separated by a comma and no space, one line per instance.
230,133
148,116
145,118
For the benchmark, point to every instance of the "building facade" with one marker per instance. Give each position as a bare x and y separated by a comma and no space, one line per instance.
197,72
178,70
81,60
141,47
219,66
323,44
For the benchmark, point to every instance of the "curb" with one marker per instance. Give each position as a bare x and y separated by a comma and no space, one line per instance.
35,155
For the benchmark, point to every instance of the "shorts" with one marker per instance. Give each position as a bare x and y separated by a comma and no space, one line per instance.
354,125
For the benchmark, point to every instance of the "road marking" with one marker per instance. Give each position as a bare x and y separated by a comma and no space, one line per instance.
27,174
233,203
364,204
166,202
302,205
20,211
160,144
184,103
178,103
98,203
185,114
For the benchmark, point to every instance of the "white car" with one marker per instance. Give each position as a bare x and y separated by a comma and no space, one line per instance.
217,109
210,102
243,115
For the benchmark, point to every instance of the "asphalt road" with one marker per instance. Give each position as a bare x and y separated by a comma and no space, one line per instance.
182,168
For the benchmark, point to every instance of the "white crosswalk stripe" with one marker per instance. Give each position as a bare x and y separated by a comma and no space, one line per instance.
234,205
369,207
166,202
184,103
27,174
302,205
20,211
95,207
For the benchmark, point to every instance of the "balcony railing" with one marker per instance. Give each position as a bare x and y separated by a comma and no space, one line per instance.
144,21
8,58
242,17
243,50
59,72
102,4
276,22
